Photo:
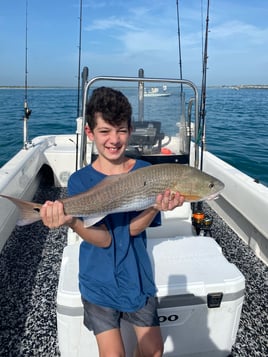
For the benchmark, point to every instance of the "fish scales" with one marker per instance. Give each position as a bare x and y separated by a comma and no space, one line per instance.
137,190
120,192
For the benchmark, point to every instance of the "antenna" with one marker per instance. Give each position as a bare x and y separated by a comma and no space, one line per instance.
27,111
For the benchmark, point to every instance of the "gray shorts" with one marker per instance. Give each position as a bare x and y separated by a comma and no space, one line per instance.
100,318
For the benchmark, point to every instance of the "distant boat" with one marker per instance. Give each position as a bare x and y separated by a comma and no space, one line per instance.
154,92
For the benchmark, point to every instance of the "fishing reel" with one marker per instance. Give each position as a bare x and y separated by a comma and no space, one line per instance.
202,223
27,110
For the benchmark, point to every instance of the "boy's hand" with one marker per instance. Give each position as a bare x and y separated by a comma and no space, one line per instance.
168,201
53,216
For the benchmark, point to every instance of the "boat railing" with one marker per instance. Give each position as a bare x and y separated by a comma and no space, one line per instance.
140,80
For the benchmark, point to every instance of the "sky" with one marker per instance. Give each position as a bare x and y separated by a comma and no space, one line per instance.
121,36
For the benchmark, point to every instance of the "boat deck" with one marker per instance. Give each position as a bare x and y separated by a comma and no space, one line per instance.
29,271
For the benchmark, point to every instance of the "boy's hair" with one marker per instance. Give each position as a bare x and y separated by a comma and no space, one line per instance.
113,106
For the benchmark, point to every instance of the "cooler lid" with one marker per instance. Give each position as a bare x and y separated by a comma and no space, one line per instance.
192,265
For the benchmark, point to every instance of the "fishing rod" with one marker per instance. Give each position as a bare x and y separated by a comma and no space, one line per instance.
179,40
27,111
79,113
202,111
185,128
79,59
202,108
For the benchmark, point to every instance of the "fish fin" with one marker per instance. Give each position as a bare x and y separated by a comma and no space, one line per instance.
28,211
89,221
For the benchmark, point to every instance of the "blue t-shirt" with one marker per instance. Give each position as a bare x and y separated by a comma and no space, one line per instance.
119,276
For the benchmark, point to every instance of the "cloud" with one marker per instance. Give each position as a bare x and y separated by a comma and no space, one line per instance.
139,12
140,41
110,23
235,30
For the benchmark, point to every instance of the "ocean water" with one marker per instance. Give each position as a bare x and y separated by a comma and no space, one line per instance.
236,121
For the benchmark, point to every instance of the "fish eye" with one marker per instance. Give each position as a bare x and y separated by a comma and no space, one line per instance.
211,185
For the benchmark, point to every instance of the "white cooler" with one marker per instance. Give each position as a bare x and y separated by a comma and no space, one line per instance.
200,300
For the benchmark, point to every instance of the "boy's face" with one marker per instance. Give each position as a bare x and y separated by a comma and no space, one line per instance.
111,141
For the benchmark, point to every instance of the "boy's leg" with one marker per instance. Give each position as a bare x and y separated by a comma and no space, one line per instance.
105,324
146,325
150,343
110,343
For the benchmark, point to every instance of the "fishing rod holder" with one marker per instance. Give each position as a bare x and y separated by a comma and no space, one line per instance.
27,113
202,223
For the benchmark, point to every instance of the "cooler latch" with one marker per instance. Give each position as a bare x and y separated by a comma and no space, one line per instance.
214,299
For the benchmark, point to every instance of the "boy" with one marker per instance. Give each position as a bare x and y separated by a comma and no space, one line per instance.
115,275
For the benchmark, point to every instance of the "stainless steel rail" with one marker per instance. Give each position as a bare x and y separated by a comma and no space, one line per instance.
140,81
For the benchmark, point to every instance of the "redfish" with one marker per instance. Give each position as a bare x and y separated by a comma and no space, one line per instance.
133,191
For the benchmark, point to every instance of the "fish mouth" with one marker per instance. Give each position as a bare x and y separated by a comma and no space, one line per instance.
215,196
197,198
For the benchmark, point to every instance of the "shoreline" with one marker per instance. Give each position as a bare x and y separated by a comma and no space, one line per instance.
246,86
230,86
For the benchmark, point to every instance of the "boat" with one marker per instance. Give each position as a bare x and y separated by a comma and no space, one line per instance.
47,161
154,92
40,170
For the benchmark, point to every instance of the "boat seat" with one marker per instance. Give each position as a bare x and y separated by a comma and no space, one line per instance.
146,136
177,222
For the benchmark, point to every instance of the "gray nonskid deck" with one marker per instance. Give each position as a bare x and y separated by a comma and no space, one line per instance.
29,271
252,337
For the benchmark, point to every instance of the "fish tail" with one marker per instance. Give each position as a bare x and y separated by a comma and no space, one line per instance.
28,211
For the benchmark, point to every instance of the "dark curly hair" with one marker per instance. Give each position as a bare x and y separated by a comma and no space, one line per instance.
112,104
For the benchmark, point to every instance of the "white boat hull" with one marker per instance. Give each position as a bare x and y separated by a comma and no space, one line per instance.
21,176
243,204
157,94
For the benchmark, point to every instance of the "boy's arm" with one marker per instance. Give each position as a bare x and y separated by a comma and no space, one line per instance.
52,214
164,202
